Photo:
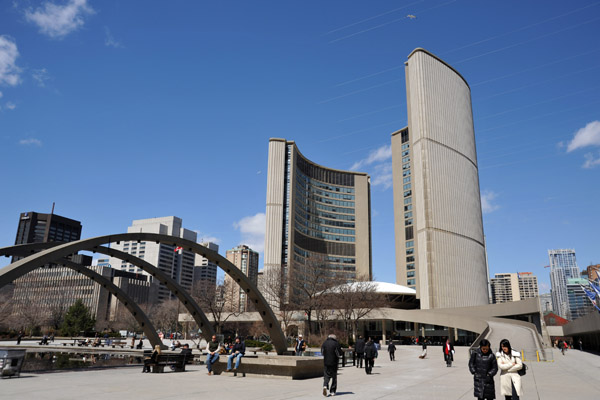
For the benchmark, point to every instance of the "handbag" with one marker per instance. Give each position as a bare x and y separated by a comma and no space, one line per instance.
523,370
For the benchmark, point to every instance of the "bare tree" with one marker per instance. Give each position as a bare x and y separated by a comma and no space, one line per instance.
218,301
308,281
6,307
353,301
164,316
275,290
29,316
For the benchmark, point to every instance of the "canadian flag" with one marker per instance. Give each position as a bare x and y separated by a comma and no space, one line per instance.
178,248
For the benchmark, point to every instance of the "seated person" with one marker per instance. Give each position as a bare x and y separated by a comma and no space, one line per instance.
237,352
152,359
213,350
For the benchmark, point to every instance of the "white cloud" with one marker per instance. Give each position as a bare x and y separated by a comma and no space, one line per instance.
252,229
10,105
57,21
40,76
381,154
487,202
9,71
204,237
30,142
109,39
590,161
382,175
586,136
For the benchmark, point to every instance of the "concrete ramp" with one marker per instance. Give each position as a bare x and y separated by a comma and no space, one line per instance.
522,338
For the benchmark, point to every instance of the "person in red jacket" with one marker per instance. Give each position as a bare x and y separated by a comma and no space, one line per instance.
448,349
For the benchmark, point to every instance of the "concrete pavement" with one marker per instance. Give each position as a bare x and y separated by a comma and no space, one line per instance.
572,376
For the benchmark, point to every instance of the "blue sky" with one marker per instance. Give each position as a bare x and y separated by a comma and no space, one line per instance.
127,110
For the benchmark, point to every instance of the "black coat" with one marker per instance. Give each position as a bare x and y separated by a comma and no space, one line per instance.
483,367
449,355
392,348
241,347
360,345
332,352
370,350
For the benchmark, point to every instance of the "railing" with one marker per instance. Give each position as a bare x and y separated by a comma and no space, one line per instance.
533,355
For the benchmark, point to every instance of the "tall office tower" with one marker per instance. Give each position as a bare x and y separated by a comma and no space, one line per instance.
41,228
316,217
205,271
579,303
246,260
513,287
546,302
179,265
563,266
528,285
440,249
505,288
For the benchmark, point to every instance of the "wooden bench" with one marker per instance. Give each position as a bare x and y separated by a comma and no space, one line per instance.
177,361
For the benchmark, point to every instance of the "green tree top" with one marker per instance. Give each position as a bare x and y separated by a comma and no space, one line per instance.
78,319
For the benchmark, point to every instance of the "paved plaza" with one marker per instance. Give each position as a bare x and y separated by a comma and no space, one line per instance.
572,376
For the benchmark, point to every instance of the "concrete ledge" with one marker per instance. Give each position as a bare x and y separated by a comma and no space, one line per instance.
287,367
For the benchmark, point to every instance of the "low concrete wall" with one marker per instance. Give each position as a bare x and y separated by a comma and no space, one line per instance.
287,367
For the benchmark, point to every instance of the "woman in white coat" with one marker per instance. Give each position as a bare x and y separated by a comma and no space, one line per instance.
509,363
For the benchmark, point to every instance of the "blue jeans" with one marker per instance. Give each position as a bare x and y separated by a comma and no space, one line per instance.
210,360
237,357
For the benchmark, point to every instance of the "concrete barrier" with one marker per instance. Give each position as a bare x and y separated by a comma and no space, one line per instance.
286,367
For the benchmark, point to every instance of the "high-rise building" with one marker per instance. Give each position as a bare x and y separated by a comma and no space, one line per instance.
593,272
246,260
205,271
528,285
440,248
563,266
316,217
546,302
579,303
513,287
176,263
42,228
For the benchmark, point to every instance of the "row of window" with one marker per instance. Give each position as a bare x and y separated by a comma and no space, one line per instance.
311,206
323,185
320,235
305,187
324,228
310,196
305,214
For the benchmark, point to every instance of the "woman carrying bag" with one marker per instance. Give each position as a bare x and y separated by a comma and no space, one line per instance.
510,363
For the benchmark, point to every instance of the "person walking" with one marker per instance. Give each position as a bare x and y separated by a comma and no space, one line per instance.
392,351
509,363
300,346
332,352
563,347
580,345
212,357
359,348
370,356
448,350
424,346
19,337
483,366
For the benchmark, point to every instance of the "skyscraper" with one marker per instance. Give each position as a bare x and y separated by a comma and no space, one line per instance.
246,260
178,264
563,266
41,228
513,287
440,249
315,216
579,303
205,271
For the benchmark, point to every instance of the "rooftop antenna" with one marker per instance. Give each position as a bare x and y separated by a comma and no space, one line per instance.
52,212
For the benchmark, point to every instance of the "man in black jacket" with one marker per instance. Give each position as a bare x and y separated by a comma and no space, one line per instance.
332,352
360,351
237,352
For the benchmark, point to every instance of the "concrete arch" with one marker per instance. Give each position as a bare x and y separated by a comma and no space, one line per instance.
21,267
188,302
133,308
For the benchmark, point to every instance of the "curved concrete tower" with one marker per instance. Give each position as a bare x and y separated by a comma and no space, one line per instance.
440,249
